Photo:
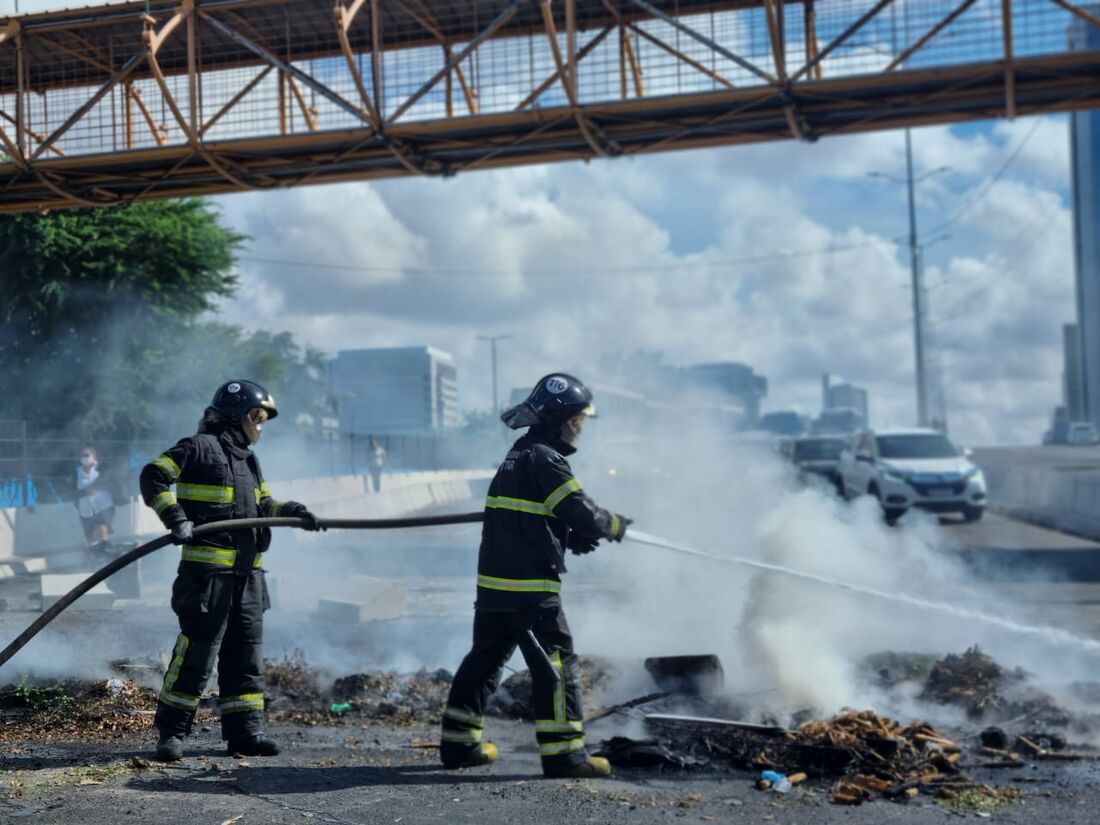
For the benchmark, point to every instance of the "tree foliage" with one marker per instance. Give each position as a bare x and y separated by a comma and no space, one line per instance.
105,317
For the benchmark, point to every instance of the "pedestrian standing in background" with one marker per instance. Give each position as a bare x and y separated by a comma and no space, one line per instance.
94,501
378,460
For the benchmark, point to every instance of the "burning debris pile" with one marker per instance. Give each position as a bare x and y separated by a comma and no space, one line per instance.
395,697
886,759
972,681
865,755
295,693
976,684
868,756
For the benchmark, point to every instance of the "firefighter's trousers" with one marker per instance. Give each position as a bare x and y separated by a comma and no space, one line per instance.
557,702
221,615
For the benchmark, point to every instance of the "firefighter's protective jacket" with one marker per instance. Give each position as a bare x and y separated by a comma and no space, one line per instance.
217,477
534,504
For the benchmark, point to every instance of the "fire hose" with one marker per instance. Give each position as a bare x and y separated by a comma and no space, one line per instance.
127,559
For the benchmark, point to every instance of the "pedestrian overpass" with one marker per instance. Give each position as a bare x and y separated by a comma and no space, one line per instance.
145,99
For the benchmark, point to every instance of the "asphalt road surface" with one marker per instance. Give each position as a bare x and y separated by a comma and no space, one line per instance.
381,773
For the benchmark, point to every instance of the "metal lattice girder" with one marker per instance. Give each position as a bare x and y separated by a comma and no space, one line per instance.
137,100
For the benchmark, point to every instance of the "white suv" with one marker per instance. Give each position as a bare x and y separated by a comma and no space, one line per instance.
912,468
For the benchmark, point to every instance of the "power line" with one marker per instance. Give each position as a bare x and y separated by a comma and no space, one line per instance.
984,188
1022,244
626,270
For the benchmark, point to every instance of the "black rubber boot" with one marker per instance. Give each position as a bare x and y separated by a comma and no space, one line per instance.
169,749
252,746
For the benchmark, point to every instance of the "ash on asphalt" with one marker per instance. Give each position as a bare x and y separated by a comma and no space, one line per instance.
376,773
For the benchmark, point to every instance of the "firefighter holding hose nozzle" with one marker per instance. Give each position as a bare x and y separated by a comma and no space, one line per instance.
536,510
219,594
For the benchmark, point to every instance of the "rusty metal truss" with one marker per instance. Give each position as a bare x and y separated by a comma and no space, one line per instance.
131,101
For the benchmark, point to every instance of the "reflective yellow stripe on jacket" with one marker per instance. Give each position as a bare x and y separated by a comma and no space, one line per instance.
162,501
220,556
519,585
208,493
543,508
166,465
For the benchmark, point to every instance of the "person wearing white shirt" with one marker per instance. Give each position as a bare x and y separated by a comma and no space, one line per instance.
93,499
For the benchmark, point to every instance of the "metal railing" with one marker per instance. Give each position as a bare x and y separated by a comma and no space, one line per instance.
104,105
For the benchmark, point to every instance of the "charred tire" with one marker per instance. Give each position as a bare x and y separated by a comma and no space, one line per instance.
889,514
972,514
892,514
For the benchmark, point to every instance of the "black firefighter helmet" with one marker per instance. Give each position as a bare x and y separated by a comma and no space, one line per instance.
235,398
555,399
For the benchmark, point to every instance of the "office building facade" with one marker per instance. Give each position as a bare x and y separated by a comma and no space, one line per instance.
395,391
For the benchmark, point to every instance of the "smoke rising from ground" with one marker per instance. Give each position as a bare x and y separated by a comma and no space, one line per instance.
786,644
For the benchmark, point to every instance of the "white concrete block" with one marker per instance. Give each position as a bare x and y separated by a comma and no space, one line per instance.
364,598
36,564
55,586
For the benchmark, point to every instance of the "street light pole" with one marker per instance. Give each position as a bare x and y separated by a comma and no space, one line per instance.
916,265
917,276
492,339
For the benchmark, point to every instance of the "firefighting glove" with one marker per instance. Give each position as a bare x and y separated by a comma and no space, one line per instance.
295,510
618,527
582,544
182,532
177,523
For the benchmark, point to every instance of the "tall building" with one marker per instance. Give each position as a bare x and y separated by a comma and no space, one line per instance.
848,396
398,391
1085,167
732,381
1073,390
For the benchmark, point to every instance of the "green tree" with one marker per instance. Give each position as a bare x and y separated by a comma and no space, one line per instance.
102,316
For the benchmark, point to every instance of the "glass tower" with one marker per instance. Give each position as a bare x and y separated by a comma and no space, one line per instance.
1085,171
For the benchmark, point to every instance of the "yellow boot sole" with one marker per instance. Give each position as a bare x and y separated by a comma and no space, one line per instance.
485,755
594,768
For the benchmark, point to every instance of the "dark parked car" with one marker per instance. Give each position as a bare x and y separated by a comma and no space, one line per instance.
816,457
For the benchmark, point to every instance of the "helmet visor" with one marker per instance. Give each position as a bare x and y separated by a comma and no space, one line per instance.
252,423
519,416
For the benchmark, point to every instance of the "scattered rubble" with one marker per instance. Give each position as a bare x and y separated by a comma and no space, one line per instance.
972,681
73,709
395,697
513,699
296,694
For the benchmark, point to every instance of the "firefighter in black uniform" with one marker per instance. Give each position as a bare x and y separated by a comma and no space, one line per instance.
535,510
219,593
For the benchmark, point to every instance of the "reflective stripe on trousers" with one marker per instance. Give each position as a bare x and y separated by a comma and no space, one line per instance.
242,703
220,556
519,585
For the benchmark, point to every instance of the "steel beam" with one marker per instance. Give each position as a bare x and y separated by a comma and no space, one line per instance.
1078,11
127,68
286,68
502,18
1010,73
553,78
842,38
922,41
706,41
